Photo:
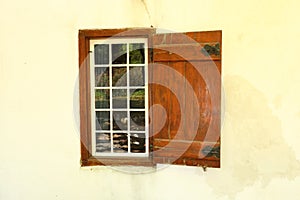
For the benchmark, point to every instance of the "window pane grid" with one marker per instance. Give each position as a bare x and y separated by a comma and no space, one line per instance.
124,131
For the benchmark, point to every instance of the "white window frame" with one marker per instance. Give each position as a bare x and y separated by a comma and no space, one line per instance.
111,41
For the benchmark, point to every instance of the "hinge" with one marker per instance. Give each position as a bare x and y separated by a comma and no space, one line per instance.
209,151
209,49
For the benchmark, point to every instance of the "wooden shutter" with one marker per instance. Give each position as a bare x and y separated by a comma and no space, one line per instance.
185,95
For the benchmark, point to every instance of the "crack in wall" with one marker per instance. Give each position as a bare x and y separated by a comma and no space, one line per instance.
147,10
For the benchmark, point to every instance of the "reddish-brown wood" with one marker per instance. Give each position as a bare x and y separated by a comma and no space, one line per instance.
126,32
176,82
183,148
83,93
93,161
182,52
157,114
204,90
198,91
198,162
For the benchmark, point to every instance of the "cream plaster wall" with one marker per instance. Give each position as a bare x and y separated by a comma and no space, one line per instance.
39,144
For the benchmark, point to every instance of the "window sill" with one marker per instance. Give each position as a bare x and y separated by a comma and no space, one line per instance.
120,161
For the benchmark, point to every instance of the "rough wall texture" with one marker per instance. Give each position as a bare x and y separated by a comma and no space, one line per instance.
39,145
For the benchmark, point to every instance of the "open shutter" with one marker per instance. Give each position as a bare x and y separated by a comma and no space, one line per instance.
185,95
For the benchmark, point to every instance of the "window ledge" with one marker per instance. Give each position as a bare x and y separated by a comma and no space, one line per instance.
113,161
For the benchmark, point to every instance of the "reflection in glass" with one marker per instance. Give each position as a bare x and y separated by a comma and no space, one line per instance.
137,98
136,76
119,55
101,98
101,54
136,54
119,98
120,120
103,142
101,76
137,142
119,76
120,141
137,120
102,120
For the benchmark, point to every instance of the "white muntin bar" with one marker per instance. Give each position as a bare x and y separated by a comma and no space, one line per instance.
128,88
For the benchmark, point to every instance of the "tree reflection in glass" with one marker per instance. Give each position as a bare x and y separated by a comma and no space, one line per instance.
119,76
136,76
119,53
102,98
136,53
101,76
137,98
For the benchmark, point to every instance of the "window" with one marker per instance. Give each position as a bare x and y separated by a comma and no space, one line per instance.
118,91
148,98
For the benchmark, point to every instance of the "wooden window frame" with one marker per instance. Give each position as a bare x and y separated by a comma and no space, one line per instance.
155,54
84,94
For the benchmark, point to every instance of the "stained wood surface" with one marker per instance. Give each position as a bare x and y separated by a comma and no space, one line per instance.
187,83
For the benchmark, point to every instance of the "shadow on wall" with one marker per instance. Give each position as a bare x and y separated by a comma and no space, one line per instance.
253,146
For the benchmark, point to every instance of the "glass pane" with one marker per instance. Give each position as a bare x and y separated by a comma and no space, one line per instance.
119,76
136,54
119,55
137,77
120,141
101,54
120,120
137,142
137,120
102,98
103,142
101,76
119,98
102,120
137,98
